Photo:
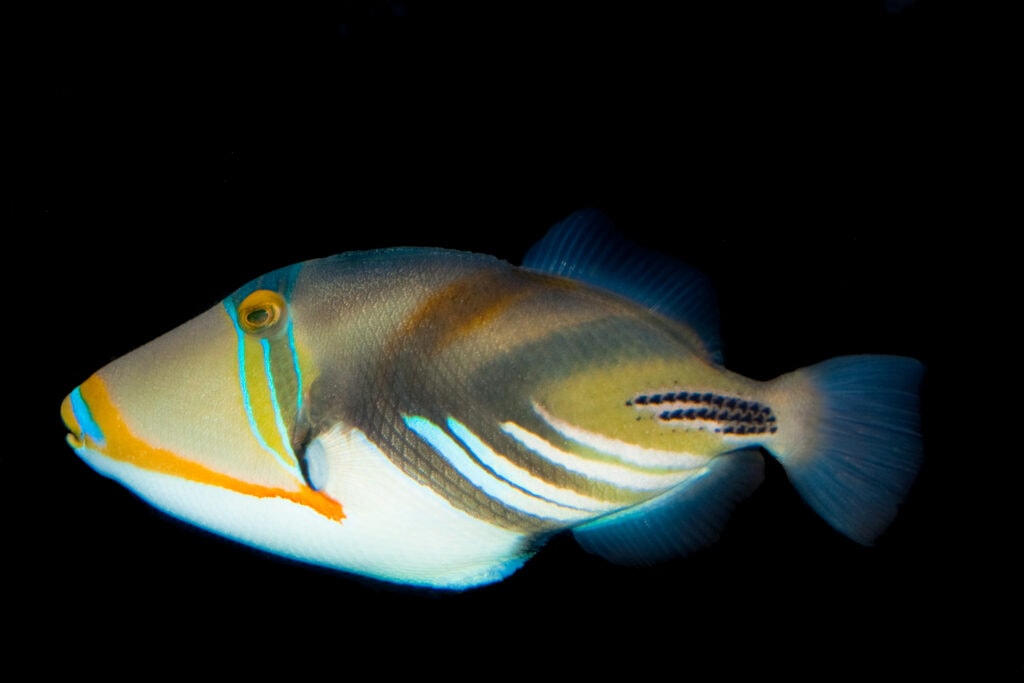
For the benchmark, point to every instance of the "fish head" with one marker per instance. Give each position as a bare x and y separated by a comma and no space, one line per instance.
248,421
200,422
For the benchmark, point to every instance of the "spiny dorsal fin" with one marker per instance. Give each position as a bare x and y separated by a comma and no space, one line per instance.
587,247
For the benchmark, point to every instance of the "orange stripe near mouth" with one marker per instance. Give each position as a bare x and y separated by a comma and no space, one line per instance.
124,446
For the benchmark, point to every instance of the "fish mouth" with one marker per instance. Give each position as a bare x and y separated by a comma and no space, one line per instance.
67,413
75,413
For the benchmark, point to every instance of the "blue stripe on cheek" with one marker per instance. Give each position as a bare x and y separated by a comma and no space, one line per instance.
288,464
293,273
84,417
244,384
295,365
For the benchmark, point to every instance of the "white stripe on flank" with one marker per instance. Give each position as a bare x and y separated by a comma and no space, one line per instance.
517,476
509,495
611,473
622,450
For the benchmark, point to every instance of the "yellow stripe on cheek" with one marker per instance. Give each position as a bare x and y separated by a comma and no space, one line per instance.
262,400
122,445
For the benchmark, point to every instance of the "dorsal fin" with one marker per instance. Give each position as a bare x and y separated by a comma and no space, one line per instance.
587,247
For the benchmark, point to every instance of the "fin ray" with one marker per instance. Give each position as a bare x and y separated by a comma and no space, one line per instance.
862,446
681,520
586,247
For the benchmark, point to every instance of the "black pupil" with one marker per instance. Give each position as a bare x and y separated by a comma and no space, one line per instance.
257,317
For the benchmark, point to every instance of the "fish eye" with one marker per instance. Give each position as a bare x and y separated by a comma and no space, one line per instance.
261,311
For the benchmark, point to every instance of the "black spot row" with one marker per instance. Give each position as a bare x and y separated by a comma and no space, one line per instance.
681,396
748,431
689,414
713,414
716,400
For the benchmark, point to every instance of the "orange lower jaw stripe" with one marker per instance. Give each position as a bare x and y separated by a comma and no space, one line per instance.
110,436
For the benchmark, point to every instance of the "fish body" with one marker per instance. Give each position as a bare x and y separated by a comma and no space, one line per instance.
431,417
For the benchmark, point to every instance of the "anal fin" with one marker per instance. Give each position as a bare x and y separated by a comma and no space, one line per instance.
679,521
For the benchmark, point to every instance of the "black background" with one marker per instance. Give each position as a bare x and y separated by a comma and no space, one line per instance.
829,166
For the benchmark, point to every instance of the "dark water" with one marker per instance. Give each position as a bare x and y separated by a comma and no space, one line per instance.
805,158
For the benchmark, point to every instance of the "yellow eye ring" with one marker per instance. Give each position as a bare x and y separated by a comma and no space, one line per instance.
261,312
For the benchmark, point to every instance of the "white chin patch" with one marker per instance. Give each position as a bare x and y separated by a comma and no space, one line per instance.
394,528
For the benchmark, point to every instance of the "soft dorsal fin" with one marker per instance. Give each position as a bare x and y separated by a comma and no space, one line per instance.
679,521
587,247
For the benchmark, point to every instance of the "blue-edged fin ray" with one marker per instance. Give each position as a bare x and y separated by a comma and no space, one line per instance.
679,521
586,247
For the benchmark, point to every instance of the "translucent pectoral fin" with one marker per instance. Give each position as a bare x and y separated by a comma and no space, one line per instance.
679,521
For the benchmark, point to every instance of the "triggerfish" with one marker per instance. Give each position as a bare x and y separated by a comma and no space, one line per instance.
431,417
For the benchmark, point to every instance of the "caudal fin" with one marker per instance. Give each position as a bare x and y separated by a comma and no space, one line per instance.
849,438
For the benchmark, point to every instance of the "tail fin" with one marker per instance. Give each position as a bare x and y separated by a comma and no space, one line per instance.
849,438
